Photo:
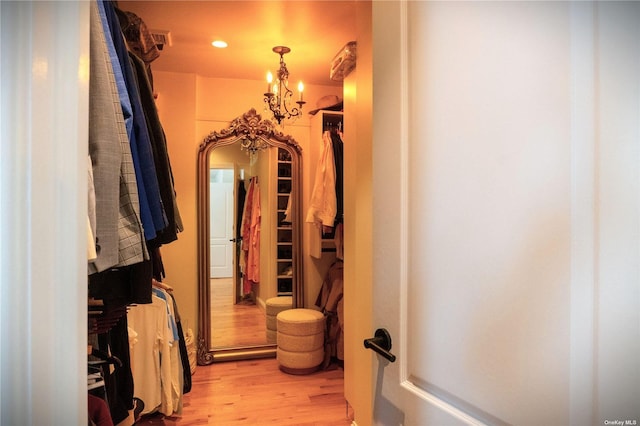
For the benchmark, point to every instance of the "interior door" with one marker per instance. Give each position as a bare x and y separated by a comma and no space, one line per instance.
221,222
507,212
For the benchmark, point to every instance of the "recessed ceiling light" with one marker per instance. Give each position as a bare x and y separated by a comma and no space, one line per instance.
219,43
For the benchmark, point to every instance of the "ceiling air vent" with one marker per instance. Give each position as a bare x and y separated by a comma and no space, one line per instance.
162,38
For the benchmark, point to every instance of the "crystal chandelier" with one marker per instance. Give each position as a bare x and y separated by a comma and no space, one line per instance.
278,96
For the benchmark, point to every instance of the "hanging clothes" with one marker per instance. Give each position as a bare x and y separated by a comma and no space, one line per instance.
138,134
175,382
158,145
323,203
251,237
338,161
185,366
118,227
119,382
240,264
158,353
244,232
330,302
338,158
132,210
152,341
240,199
139,39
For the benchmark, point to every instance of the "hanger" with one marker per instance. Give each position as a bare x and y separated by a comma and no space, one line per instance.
104,358
333,127
161,285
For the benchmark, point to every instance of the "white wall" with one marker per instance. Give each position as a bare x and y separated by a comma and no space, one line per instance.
43,207
616,212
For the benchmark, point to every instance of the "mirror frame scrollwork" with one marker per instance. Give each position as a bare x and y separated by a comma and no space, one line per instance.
252,133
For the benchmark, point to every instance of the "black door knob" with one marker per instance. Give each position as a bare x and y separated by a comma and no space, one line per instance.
381,343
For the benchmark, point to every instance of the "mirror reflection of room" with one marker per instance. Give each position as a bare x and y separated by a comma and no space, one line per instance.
249,237
235,230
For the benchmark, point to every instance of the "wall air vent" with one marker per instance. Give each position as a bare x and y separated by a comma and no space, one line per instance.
162,38
344,62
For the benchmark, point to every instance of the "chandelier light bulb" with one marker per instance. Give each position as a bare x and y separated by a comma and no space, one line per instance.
269,80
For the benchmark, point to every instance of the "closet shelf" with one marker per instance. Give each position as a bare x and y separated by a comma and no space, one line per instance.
284,241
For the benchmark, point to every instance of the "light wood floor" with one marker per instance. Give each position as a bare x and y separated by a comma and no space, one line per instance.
256,392
234,324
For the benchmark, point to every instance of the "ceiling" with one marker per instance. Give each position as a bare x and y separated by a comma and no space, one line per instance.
314,30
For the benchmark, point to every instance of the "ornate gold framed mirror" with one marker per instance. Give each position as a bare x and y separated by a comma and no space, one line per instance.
249,149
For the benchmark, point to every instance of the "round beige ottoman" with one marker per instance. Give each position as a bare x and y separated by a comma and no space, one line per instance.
300,340
274,306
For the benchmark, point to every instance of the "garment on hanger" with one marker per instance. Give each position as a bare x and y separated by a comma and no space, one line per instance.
330,302
119,382
323,202
139,39
158,145
175,382
338,160
139,134
118,229
338,157
182,348
152,345
157,349
240,199
251,219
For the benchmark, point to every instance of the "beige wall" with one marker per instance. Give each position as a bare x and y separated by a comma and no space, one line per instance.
176,107
358,235
190,107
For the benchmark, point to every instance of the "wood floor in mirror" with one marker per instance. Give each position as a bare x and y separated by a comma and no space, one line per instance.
234,324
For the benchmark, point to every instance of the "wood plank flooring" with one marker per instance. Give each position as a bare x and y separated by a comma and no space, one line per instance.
234,324
256,392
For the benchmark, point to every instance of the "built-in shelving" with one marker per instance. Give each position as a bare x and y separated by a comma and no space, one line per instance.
284,249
